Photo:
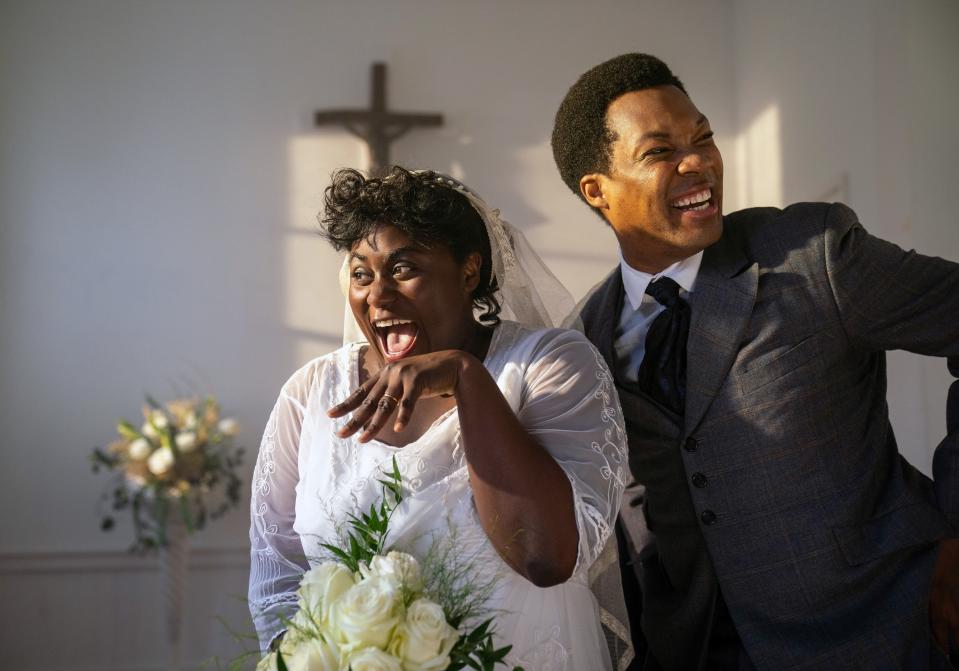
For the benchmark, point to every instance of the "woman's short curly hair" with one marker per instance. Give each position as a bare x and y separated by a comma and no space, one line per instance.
422,206
581,139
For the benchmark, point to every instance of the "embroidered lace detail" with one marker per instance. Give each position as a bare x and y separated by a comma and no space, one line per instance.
275,599
507,253
611,460
262,476
547,652
604,578
612,450
607,558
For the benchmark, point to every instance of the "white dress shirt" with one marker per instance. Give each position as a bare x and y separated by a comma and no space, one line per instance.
640,309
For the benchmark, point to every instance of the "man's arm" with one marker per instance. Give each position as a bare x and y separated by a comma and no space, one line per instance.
889,298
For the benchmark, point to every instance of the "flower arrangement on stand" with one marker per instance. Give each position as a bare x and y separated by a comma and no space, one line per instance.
174,471
179,467
375,609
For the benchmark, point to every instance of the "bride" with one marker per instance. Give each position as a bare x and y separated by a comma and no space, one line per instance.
508,434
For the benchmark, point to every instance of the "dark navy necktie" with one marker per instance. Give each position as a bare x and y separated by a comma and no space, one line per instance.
662,374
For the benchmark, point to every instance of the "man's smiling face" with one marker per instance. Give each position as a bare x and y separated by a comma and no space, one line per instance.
663,193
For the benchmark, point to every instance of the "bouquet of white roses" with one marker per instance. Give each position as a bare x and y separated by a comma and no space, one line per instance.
372,610
180,461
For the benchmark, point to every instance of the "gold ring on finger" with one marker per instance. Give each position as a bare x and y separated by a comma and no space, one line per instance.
388,402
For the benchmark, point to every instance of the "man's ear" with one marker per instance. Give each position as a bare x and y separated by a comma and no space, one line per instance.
591,186
471,271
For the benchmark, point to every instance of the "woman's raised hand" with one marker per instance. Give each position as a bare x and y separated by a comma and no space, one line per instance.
399,385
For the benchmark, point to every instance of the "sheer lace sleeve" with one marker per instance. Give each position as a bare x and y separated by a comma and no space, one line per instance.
277,560
570,406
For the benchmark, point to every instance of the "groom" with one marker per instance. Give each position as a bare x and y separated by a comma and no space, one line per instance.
773,523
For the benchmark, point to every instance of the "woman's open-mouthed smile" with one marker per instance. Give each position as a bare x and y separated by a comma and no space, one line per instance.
409,299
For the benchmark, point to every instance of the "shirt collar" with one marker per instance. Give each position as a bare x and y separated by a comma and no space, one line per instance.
635,281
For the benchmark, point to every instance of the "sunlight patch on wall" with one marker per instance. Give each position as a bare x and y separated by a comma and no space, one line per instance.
313,309
759,161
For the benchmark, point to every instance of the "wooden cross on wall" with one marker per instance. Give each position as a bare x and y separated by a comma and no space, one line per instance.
377,126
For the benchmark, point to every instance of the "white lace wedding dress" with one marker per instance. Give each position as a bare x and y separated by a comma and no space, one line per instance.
307,480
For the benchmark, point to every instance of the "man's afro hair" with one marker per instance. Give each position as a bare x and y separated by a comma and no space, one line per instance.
581,140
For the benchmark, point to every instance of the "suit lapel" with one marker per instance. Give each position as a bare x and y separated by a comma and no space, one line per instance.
721,303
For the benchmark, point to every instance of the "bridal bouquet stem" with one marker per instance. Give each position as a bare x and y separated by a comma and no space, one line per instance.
369,609
178,467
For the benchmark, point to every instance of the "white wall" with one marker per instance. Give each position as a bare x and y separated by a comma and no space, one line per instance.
159,178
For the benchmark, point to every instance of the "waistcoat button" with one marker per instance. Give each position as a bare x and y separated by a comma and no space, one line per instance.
708,517
699,480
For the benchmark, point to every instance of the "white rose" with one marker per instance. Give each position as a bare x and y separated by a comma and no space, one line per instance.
373,659
186,442
159,419
313,655
140,449
322,586
160,461
398,566
228,426
367,613
190,420
148,430
425,638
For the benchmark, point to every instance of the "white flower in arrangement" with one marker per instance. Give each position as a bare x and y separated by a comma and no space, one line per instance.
314,655
372,612
367,613
228,426
322,586
161,461
186,441
147,469
373,659
424,640
140,449
399,566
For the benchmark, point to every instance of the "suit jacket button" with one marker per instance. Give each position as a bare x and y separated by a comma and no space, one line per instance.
699,480
691,444
708,517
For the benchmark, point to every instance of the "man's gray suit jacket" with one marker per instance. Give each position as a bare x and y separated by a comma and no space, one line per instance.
822,537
